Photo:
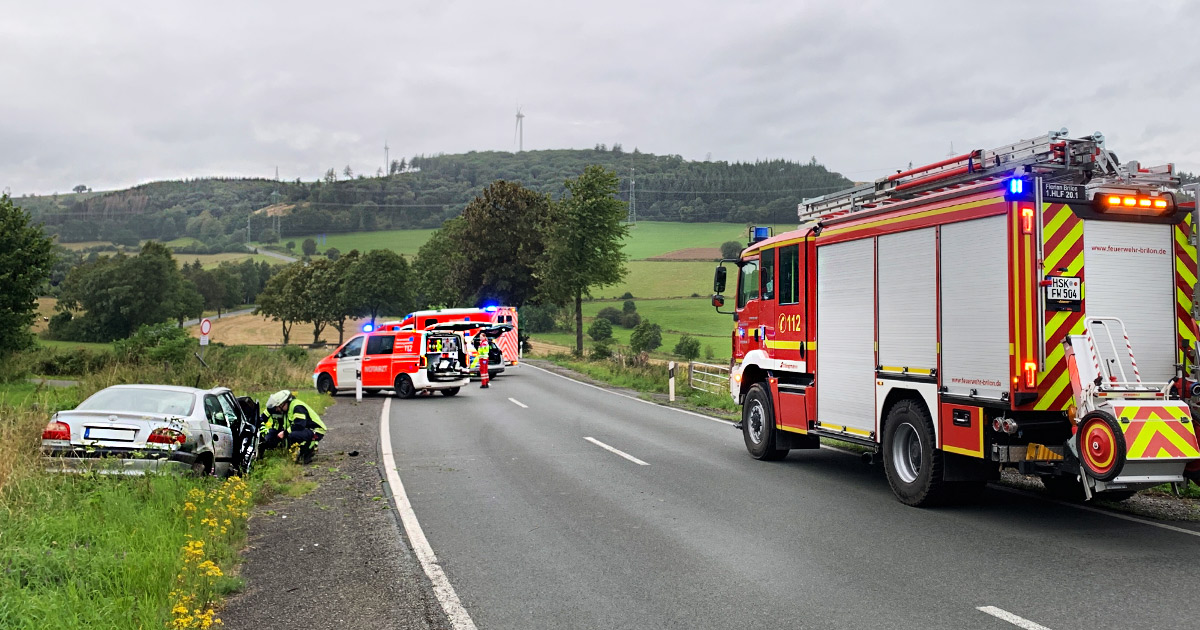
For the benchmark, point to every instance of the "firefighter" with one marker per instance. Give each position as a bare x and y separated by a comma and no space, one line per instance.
482,350
292,422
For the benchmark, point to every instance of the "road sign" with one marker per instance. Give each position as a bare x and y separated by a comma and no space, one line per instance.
205,328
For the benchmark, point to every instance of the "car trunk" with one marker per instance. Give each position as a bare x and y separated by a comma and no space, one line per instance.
109,430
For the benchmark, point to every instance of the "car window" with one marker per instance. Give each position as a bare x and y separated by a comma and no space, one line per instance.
167,402
213,411
230,407
353,348
380,344
430,322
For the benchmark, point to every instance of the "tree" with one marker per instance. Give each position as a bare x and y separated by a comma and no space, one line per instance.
348,172
333,253
611,314
120,293
628,307
585,250
377,282
731,249
291,246
440,268
309,247
317,302
688,347
504,231
333,284
280,299
646,337
26,257
600,330
80,189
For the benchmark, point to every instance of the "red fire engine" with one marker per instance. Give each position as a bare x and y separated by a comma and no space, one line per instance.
977,313
509,341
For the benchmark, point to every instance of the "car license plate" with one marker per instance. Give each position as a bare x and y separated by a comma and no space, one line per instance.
1063,288
116,435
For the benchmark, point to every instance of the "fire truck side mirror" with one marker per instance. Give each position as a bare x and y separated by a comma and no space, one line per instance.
718,301
719,281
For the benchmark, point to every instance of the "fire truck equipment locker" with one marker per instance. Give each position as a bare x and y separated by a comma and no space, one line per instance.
845,337
975,308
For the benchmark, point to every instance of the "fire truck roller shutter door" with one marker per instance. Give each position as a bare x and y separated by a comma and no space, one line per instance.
846,335
975,307
908,301
1131,275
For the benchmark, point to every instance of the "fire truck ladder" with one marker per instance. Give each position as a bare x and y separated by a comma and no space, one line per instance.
1112,354
1048,154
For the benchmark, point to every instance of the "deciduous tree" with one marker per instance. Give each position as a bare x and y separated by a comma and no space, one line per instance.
379,281
25,261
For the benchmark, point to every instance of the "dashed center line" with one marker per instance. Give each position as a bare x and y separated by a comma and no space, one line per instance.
518,403
1015,620
618,452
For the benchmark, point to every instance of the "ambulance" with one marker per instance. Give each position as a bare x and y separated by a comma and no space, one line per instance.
403,361
509,342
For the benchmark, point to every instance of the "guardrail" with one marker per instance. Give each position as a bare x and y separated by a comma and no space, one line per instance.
707,377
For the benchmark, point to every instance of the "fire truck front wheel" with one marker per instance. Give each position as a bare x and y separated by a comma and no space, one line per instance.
404,387
758,425
913,465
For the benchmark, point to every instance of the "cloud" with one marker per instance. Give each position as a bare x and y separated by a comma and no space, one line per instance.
111,95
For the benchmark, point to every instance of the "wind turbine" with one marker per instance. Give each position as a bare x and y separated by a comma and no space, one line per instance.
519,130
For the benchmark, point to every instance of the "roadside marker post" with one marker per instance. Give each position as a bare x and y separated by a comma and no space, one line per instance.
358,385
671,382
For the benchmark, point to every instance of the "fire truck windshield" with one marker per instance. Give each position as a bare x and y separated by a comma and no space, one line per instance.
747,283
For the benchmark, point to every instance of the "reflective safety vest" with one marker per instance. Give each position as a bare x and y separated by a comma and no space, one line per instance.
297,411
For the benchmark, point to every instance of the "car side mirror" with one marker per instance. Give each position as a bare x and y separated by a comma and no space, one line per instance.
719,280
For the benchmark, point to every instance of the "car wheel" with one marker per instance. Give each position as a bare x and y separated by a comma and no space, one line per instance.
325,385
913,465
404,387
758,425
200,467
453,391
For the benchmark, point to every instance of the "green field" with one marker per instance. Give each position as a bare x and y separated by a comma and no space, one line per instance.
694,316
654,279
406,242
655,238
74,344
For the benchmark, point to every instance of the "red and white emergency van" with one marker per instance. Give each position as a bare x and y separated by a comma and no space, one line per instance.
980,312
404,361
510,347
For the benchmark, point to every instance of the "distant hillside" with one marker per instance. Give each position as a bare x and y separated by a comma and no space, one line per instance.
422,193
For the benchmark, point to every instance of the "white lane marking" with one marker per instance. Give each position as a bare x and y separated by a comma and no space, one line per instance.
1088,508
1125,517
690,413
1019,622
618,452
459,618
518,403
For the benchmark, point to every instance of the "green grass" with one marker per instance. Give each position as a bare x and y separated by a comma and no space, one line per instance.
26,394
655,238
655,279
403,241
651,379
47,343
691,315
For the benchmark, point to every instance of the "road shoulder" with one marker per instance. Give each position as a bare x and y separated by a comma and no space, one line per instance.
334,558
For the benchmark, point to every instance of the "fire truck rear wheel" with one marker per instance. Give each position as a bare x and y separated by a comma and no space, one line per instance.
450,392
913,465
325,385
404,387
758,425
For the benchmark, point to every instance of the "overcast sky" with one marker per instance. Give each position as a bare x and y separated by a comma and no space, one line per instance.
111,94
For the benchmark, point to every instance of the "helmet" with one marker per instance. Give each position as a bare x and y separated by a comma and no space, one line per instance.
278,398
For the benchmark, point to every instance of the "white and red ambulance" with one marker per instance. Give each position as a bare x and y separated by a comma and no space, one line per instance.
403,361
509,342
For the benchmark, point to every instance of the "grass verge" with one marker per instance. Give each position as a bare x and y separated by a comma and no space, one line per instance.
652,380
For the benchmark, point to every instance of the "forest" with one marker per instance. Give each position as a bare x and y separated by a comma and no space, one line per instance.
422,192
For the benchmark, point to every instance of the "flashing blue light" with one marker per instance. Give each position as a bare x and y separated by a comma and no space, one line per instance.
368,327
1016,186
491,308
467,318
761,233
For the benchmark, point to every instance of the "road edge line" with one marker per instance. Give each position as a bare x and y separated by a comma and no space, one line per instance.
1016,620
459,618
617,451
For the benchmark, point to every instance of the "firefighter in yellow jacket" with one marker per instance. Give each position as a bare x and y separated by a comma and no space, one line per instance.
292,422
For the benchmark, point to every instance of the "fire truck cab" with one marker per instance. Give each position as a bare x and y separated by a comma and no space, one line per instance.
1028,307
509,342
392,359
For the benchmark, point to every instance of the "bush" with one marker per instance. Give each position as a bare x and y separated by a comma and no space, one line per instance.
628,307
295,354
611,314
600,330
68,361
536,319
333,253
602,349
156,343
688,347
627,296
646,337
631,320
731,249
708,353
309,247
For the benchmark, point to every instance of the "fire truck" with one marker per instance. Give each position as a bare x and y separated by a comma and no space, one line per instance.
509,342
1028,307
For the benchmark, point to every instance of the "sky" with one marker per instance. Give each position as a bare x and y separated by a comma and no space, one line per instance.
112,94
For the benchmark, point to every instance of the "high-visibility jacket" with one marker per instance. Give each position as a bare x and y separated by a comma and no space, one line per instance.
298,417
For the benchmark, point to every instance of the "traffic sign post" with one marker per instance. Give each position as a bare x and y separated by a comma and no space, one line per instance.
205,328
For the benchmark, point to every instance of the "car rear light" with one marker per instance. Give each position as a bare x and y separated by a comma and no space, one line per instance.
57,431
163,435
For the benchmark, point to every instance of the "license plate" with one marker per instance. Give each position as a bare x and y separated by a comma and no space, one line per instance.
1064,288
115,435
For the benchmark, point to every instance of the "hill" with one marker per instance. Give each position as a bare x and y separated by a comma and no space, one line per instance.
422,193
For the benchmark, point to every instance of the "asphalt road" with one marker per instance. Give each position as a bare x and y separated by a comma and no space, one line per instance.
537,527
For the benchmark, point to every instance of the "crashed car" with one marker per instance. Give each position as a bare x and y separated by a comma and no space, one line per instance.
135,429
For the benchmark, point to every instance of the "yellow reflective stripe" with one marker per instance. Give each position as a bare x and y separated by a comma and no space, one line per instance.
1051,227
915,216
901,370
1185,331
1052,393
784,345
791,429
812,345
844,429
1184,272
963,451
